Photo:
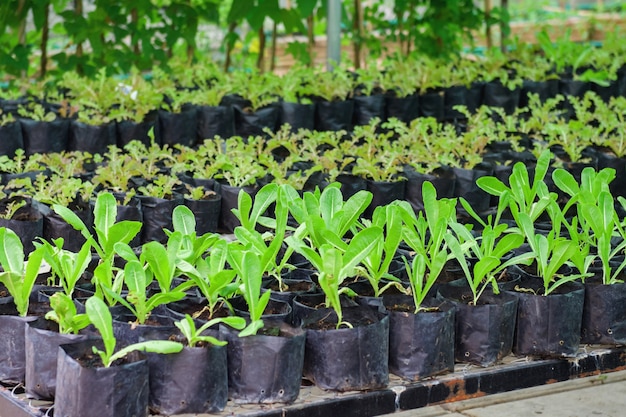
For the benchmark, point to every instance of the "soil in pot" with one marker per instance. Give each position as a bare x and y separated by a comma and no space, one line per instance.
347,359
420,344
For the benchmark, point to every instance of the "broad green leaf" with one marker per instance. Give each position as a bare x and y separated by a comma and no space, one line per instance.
105,213
12,251
124,232
135,277
152,346
183,220
359,247
262,200
491,185
72,219
565,182
100,316
331,201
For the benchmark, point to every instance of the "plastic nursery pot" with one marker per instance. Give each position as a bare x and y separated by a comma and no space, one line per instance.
157,215
548,325
347,359
422,344
228,221
253,123
383,193
42,341
44,137
455,95
334,115
194,380
157,327
11,139
290,289
545,89
432,104
90,138
402,108
128,131
443,179
276,310
85,388
497,95
12,344
484,332
178,128
297,115
12,356
266,367
306,304
465,186
27,223
368,107
604,315
206,213
215,121
54,226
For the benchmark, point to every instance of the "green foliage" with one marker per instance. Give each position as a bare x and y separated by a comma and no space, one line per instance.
194,335
98,313
18,276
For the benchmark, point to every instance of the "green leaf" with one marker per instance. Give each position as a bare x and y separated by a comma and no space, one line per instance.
360,245
183,220
12,251
100,316
72,219
565,182
491,185
105,213
238,10
152,346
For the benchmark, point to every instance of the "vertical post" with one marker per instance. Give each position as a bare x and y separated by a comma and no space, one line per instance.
488,24
45,29
356,33
504,24
333,34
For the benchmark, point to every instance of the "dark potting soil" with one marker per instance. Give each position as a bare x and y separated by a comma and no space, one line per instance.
355,318
201,311
410,308
301,286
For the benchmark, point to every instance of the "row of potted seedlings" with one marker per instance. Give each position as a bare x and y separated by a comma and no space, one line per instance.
201,101
308,281
390,159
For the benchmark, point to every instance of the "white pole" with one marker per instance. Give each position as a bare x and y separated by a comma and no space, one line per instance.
333,34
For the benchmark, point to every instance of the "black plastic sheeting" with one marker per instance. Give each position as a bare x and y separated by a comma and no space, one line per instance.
484,332
422,344
265,369
549,325
118,391
192,381
348,359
